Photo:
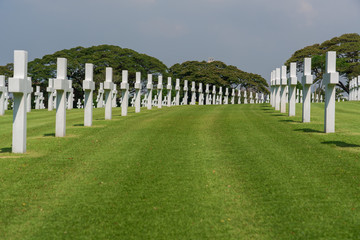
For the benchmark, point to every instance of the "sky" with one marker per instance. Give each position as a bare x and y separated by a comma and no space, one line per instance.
256,36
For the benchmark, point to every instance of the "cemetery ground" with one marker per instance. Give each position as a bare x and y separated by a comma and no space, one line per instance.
187,172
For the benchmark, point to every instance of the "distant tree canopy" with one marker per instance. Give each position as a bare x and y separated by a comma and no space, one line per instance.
347,49
219,74
101,56
214,73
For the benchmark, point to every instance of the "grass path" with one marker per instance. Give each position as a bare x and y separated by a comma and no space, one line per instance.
189,172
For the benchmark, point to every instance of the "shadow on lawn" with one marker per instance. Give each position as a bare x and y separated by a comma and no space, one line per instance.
78,125
308,130
5,150
341,144
278,115
49,135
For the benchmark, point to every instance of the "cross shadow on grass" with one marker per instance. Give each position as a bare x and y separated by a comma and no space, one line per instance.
5,150
286,120
308,130
49,135
78,125
341,144
278,115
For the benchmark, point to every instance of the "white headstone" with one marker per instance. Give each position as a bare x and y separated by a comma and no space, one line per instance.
37,100
71,96
186,89
292,89
138,92
307,80
239,96
20,87
88,87
201,94
124,93
114,96
278,89
169,88
28,96
245,97
149,87
207,92
220,96
50,90
193,93
177,96
159,92
214,95
108,88
283,83
100,98
331,78
233,96
2,95
61,86
226,98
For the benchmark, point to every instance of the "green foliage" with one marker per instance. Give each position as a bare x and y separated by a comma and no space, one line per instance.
219,74
101,56
347,49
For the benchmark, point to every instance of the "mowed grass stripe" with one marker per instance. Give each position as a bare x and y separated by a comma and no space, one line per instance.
190,172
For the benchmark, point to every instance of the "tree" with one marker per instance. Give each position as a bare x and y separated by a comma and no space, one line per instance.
101,56
219,74
347,49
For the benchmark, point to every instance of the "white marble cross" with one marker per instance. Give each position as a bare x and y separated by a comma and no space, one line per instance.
233,96
88,87
207,93
201,94
6,99
226,98
193,93
61,85
2,95
37,95
108,88
214,95
307,80
331,78
251,97
220,96
79,104
273,89
245,97
239,96
177,89
20,87
28,96
292,82
277,81
283,84
169,88
149,87
114,96
159,92
138,92
186,89
124,86
100,97
70,96
41,99
50,90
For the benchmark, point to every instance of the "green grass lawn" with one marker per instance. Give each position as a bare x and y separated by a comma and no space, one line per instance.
188,172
